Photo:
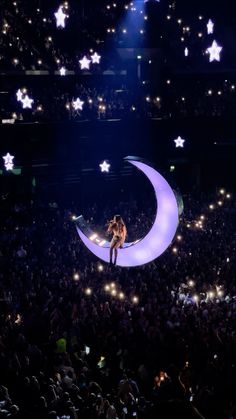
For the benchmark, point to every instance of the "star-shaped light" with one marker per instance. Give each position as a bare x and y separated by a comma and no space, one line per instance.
78,104
214,52
186,51
179,142
84,63
105,166
60,17
19,95
210,27
96,58
8,161
27,102
62,71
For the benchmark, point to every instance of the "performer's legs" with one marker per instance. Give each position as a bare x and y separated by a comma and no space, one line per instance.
111,253
116,247
113,246
116,253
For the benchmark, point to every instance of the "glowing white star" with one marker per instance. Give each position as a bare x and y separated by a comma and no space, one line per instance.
19,95
214,52
78,104
96,58
179,142
210,27
60,17
186,52
8,161
27,102
84,63
62,71
105,166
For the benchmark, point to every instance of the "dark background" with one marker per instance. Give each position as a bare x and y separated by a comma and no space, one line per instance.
64,158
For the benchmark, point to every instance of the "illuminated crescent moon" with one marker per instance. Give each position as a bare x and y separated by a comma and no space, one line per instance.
157,239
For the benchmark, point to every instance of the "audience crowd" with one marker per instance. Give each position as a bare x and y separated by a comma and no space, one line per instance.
81,339
33,49
31,40
54,100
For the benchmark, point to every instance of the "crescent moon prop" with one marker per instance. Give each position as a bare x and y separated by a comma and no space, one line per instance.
157,239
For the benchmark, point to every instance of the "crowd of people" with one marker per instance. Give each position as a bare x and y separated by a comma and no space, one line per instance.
103,102
31,40
32,43
81,339
54,101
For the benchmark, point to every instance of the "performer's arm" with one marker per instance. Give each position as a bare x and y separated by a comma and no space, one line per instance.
111,226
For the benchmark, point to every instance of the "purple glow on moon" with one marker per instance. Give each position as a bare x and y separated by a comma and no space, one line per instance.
160,235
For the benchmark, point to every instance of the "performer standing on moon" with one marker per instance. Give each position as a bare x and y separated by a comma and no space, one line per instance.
118,229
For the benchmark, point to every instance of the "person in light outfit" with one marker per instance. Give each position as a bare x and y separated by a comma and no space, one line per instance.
118,229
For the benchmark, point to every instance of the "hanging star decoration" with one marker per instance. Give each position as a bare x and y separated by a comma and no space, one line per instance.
8,161
60,18
210,27
62,71
214,52
179,142
27,102
78,104
19,95
105,167
84,63
96,58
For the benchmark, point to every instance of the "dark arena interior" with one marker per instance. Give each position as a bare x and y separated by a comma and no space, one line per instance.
83,84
